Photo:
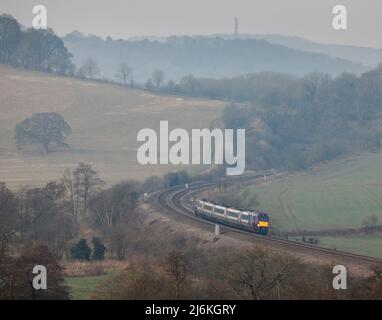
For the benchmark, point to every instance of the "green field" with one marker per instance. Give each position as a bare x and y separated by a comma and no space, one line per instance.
367,245
81,288
338,196
104,118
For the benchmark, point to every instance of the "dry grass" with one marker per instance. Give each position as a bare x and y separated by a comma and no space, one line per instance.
92,268
105,120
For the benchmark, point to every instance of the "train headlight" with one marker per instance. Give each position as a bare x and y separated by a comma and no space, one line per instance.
263,224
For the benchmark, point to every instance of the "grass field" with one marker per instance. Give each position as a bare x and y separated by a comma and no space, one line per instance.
367,245
81,288
338,196
104,118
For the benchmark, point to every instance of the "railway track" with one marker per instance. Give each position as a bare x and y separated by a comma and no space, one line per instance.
173,199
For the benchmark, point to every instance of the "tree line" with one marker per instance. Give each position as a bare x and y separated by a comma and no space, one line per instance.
188,271
294,122
44,51
204,56
33,49
52,214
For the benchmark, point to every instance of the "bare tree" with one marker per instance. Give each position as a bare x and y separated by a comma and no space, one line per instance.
118,241
158,78
80,184
115,212
117,205
149,84
89,182
124,72
259,273
71,184
89,69
152,184
177,269
8,210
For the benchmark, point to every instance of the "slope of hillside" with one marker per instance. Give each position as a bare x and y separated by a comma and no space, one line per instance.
105,120
202,57
339,196
367,56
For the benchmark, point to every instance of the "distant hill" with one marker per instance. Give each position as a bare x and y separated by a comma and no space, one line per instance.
212,57
364,55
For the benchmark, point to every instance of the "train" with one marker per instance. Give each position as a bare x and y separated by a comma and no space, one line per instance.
250,220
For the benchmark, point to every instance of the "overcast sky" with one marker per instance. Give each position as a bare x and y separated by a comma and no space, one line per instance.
311,19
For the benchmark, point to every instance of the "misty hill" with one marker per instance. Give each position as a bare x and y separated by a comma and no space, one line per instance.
201,57
365,55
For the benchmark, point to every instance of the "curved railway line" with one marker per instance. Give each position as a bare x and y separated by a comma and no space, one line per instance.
174,200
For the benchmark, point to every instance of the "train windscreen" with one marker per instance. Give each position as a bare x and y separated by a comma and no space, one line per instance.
263,217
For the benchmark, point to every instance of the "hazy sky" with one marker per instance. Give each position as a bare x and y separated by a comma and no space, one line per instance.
311,19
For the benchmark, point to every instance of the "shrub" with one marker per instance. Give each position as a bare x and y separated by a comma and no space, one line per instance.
98,249
81,250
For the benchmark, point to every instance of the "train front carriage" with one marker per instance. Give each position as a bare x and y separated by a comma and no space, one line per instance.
261,223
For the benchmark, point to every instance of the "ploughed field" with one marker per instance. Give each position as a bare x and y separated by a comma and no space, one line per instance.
105,120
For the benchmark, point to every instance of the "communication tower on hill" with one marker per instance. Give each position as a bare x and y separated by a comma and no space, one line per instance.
236,31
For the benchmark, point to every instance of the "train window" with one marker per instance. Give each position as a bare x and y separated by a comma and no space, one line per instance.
219,211
232,214
207,207
244,217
